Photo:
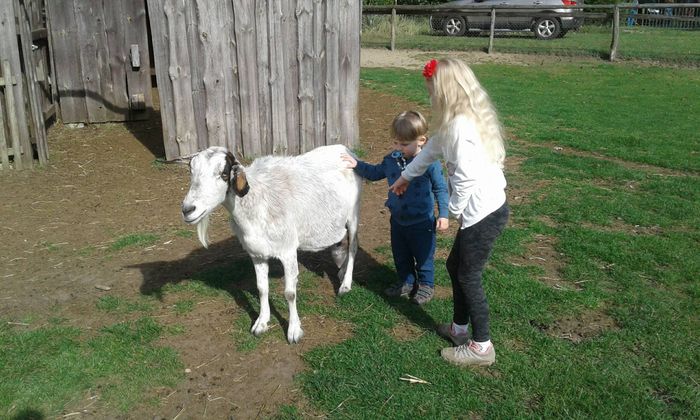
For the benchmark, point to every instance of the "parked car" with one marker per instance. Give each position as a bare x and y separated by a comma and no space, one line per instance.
554,24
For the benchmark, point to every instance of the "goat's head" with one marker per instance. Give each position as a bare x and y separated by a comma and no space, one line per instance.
214,172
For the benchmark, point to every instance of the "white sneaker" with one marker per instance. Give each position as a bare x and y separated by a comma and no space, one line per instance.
469,354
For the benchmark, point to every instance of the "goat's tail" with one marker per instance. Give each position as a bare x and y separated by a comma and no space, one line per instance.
203,231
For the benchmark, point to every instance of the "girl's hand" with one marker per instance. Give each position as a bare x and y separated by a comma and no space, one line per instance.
442,224
350,161
399,186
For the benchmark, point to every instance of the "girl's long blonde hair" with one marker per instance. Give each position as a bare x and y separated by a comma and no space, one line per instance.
456,91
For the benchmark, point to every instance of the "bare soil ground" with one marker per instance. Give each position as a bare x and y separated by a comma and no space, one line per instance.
102,183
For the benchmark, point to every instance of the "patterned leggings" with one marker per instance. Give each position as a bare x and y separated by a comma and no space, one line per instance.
470,252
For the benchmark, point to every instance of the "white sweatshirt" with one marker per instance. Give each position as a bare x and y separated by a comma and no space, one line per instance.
477,185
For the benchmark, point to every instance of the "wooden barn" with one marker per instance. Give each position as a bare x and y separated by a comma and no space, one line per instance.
257,76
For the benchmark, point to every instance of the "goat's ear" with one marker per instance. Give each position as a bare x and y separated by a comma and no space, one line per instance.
239,183
236,176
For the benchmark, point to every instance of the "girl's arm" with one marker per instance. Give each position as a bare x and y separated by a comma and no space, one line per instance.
430,153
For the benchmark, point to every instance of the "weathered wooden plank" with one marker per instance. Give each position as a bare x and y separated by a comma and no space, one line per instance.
9,52
263,75
12,118
161,53
36,115
277,76
232,99
64,35
291,76
332,79
52,84
4,158
349,70
210,24
138,79
319,81
244,18
115,52
91,39
306,74
196,62
179,67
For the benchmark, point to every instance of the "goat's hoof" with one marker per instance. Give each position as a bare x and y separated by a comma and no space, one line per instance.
294,335
259,328
343,290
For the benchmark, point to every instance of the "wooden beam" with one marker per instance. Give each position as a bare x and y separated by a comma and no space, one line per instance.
4,158
35,119
12,118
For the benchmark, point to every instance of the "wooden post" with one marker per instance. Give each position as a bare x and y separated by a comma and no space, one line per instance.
11,116
493,26
36,117
4,158
615,32
393,28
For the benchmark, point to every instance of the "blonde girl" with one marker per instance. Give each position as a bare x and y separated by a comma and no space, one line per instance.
468,136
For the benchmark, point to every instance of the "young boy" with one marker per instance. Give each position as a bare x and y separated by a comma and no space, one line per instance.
413,221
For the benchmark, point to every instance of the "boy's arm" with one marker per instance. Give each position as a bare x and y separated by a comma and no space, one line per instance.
371,172
439,190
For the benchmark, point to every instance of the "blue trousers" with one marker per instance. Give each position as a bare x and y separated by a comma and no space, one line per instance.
413,247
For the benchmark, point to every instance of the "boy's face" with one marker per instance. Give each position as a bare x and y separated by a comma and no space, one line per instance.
409,148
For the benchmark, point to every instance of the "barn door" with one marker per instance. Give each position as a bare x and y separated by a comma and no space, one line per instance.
102,59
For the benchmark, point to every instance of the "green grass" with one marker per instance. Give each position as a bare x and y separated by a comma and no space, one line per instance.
614,110
592,40
619,203
597,211
44,369
134,240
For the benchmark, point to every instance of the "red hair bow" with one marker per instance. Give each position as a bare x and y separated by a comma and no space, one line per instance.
429,68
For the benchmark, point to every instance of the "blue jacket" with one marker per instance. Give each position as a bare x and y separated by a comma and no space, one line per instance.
417,203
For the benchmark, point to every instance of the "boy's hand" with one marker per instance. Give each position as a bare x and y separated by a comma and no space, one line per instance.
350,161
442,224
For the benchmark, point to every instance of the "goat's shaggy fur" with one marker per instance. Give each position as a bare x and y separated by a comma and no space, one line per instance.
278,205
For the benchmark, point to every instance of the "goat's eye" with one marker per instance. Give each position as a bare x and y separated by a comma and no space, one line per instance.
225,176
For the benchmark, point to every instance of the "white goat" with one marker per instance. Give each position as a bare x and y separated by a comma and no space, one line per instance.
278,205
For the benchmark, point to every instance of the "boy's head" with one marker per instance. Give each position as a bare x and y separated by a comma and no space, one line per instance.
409,131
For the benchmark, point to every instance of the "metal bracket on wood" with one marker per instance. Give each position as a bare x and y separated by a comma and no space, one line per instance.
13,80
135,59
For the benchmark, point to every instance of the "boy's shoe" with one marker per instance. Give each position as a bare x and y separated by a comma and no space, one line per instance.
423,295
445,331
469,354
399,289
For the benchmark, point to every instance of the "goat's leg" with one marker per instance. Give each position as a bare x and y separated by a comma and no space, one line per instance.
261,271
291,275
346,271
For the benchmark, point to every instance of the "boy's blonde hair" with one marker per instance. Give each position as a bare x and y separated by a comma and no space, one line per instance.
456,91
408,126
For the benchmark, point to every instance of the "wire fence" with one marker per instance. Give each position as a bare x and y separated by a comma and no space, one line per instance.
658,32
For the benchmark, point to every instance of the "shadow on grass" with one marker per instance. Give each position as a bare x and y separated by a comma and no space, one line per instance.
227,267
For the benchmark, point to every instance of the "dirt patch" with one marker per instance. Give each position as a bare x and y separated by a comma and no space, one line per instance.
60,255
416,59
584,326
541,253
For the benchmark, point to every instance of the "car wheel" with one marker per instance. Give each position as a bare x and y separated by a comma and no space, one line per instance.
547,28
454,26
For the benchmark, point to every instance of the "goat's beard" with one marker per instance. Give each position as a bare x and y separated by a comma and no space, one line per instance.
203,231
